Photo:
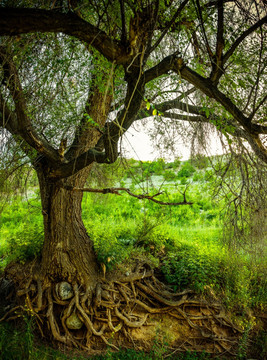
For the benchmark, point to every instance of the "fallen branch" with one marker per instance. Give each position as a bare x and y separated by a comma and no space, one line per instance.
140,197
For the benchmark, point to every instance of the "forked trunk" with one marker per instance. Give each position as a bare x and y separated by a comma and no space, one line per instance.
68,252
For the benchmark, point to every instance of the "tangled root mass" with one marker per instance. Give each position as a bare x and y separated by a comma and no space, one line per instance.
124,312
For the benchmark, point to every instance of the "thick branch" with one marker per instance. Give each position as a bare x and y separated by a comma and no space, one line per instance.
77,164
21,124
14,21
8,120
161,68
123,24
220,24
217,65
175,63
141,197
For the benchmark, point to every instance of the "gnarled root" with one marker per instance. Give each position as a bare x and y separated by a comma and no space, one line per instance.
117,311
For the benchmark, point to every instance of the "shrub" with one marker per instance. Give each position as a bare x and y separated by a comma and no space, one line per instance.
186,170
169,175
25,243
189,268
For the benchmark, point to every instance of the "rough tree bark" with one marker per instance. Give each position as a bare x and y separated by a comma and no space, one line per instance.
68,252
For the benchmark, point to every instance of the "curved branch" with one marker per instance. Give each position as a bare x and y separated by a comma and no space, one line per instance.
242,37
133,101
8,119
77,164
162,68
15,21
20,123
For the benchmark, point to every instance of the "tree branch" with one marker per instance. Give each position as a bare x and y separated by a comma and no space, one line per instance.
174,104
79,163
162,68
220,24
242,37
203,28
7,118
21,125
128,191
15,21
169,25
217,66
134,98
123,25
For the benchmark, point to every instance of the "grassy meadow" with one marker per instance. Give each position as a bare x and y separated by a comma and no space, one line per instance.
186,244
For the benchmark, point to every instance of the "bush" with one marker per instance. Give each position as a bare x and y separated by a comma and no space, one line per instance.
188,268
186,170
169,175
24,244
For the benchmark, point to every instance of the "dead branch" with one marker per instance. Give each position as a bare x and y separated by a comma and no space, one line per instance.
128,191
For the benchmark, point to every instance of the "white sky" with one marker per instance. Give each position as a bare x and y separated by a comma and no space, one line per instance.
138,145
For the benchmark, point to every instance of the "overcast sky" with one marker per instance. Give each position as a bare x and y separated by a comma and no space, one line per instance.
138,145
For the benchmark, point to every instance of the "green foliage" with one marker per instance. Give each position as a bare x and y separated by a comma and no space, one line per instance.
169,175
186,170
16,343
25,243
193,266
21,228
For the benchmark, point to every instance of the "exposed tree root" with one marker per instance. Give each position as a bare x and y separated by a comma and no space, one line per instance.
116,310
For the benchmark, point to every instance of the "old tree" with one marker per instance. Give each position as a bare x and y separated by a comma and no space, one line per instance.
75,75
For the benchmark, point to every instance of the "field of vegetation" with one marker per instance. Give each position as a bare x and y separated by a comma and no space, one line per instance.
187,245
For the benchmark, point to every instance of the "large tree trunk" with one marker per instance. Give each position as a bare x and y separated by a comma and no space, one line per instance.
68,251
